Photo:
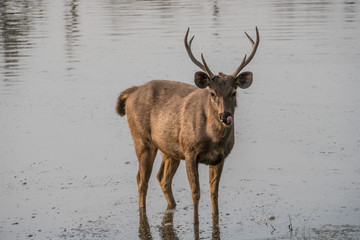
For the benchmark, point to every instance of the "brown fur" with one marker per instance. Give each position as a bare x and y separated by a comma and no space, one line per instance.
120,106
185,122
182,121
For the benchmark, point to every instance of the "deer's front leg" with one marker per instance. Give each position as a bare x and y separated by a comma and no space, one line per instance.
193,176
214,180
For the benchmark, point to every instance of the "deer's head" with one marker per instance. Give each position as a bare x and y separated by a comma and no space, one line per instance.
222,88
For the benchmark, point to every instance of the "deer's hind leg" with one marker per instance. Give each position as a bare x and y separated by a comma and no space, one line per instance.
146,155
165,176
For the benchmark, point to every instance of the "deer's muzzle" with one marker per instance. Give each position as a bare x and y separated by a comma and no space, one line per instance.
226,118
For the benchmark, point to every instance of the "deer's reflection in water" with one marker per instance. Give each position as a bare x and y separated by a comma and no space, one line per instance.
167,230
144,227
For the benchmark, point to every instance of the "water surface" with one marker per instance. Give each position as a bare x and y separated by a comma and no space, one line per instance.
67,164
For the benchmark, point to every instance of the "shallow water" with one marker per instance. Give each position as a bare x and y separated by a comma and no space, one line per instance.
67,164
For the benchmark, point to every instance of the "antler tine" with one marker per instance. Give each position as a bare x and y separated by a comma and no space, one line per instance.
252,41
254,45
241,65
252,54
188,49
197,63
207,69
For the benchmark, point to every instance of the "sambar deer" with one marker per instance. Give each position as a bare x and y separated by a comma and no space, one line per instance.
184,122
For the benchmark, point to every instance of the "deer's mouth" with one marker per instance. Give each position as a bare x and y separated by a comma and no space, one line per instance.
226,119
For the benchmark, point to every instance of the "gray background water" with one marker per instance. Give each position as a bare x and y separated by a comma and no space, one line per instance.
67,164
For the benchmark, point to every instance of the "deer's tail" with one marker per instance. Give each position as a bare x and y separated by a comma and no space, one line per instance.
120,106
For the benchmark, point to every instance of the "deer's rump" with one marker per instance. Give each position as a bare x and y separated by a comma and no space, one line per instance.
153,111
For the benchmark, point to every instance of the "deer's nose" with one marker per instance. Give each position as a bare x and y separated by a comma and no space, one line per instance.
226,118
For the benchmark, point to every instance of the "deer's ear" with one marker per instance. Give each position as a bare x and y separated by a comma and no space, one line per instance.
244,80
202,80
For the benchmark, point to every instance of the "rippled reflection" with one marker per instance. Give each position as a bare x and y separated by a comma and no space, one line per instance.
16,22
127,22
72,32
167,230
351,11
144,227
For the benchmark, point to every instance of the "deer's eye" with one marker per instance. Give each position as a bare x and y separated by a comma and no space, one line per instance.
233,94
212,94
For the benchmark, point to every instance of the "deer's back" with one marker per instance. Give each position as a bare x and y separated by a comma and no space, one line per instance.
153,114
